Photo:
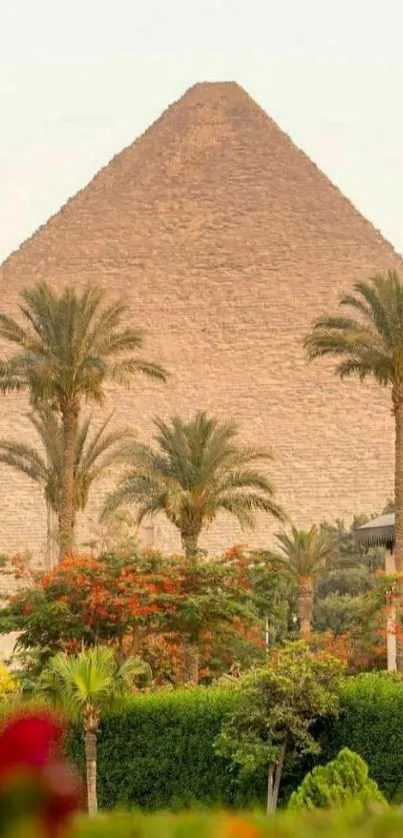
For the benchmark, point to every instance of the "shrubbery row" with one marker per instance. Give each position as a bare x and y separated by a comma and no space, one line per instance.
158,751
216,825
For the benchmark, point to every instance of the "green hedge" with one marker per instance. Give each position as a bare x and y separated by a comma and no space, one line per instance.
329,825
158,752
372,725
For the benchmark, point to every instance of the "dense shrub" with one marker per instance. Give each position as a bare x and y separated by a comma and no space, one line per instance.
159,752
371,725
341,781
217,825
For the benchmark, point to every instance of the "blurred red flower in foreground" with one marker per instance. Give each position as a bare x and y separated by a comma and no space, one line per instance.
35,781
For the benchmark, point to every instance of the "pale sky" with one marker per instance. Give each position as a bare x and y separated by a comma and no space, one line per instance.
79,80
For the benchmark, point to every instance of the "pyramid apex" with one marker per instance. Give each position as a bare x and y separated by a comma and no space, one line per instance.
206,91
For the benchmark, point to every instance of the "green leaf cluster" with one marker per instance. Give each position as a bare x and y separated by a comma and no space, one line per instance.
341,781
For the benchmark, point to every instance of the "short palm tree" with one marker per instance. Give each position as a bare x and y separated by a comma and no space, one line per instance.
69,345
369,342
93,456
84,685
196,471
305,554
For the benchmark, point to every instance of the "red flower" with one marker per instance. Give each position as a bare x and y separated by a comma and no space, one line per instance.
28,741
30,759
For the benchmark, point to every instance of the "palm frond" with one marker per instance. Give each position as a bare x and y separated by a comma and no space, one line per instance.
92,678
305,552
195,471
70,343
371,343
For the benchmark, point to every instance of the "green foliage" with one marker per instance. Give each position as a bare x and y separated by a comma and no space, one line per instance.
348,598
9,684
369,338
341,781
371,725
339,612
70,343
330,824
93,456
305,552
158,751
196,471
271,724
92,679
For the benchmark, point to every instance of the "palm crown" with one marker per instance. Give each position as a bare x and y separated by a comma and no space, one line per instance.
305,552
371,338
89,681
197,471
70,345
93,456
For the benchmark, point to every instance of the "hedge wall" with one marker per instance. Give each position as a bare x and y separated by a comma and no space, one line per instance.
158,752
372,725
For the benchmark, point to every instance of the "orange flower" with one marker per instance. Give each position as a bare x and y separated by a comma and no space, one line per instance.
237,827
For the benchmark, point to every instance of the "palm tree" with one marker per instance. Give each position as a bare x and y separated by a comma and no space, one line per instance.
83,685
93,457
69,346
196,471
305,553
369,342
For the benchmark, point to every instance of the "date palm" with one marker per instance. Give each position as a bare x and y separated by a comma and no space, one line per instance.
305,554
69,345
94,456
196,471
84,685
368,340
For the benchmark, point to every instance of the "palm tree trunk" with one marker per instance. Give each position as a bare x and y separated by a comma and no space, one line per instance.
191,662
305,608
190,545
398,411
390,570
91,767
67,505
270,806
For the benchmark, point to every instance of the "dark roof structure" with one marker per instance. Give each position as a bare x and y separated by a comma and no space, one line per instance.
379,532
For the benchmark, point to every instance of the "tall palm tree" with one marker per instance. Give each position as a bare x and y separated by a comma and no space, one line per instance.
93,456
369,342
69,345
196,471
84,685
305,553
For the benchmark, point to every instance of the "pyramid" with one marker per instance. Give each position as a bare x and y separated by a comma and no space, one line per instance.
227,241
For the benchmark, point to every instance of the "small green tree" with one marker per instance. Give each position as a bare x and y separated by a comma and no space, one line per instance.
84,685
271,724
331,786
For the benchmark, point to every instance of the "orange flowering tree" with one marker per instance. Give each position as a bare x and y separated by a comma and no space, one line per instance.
148,605
86,601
